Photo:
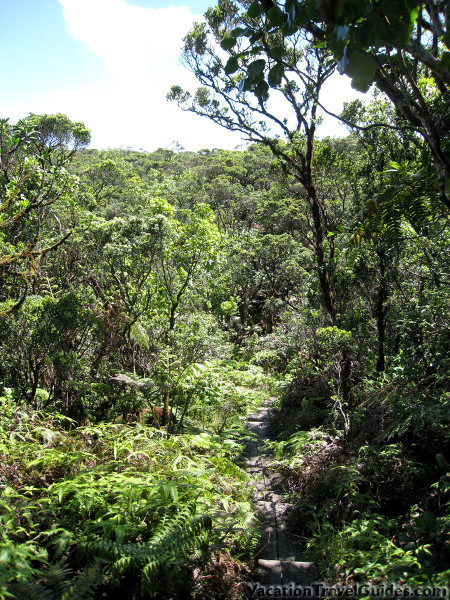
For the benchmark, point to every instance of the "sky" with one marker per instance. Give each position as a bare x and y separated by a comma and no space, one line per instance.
110,64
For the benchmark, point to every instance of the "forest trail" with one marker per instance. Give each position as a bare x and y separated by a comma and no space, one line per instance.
280,559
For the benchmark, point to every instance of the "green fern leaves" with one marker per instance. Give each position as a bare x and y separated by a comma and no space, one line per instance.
410,198
174,537
95,506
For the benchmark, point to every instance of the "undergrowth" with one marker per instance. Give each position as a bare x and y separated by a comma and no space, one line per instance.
372,503
121,510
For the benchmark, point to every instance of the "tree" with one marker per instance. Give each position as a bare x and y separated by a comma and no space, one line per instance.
56,138
397,210
403,47
247,105
226,101
33,177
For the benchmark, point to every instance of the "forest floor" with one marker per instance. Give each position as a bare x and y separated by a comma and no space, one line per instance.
281,559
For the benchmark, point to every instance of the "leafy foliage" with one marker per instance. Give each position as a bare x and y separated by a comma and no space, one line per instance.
201,283
113,499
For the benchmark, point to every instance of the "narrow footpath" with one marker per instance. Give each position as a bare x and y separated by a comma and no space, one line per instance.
280,559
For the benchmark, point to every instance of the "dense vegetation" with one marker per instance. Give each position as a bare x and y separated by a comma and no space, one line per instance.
148,301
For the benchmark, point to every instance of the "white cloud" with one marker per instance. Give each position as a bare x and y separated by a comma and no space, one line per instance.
140,49
129,39
127,106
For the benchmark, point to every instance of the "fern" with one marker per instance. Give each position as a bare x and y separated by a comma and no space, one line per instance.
59,582
133,498
173,537
409,197
139,335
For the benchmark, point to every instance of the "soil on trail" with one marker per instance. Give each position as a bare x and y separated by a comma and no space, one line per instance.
280,559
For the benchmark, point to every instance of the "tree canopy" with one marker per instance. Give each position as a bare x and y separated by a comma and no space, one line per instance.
32,179
400,46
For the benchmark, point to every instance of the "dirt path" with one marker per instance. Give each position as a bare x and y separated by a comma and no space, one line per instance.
280,559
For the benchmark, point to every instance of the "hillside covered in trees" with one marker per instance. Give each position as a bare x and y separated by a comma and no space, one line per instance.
150,300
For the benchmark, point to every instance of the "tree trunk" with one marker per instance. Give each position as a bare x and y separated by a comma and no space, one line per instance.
381,311
173,310
328,296
322,271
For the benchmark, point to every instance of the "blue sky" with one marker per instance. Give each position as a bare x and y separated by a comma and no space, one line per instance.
109,63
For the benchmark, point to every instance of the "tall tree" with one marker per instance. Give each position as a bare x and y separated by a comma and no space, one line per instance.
283,117
245,105
403,47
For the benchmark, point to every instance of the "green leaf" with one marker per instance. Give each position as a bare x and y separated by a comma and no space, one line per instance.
232,65
228,42
361,67
240,31
305,13
275,75
255,68
444,62
257,35
402,16
277,52
255,10
275,16
262,90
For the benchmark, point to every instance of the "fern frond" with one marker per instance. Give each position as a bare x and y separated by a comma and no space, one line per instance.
59,582
86,582
175,536
408,199
139,335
